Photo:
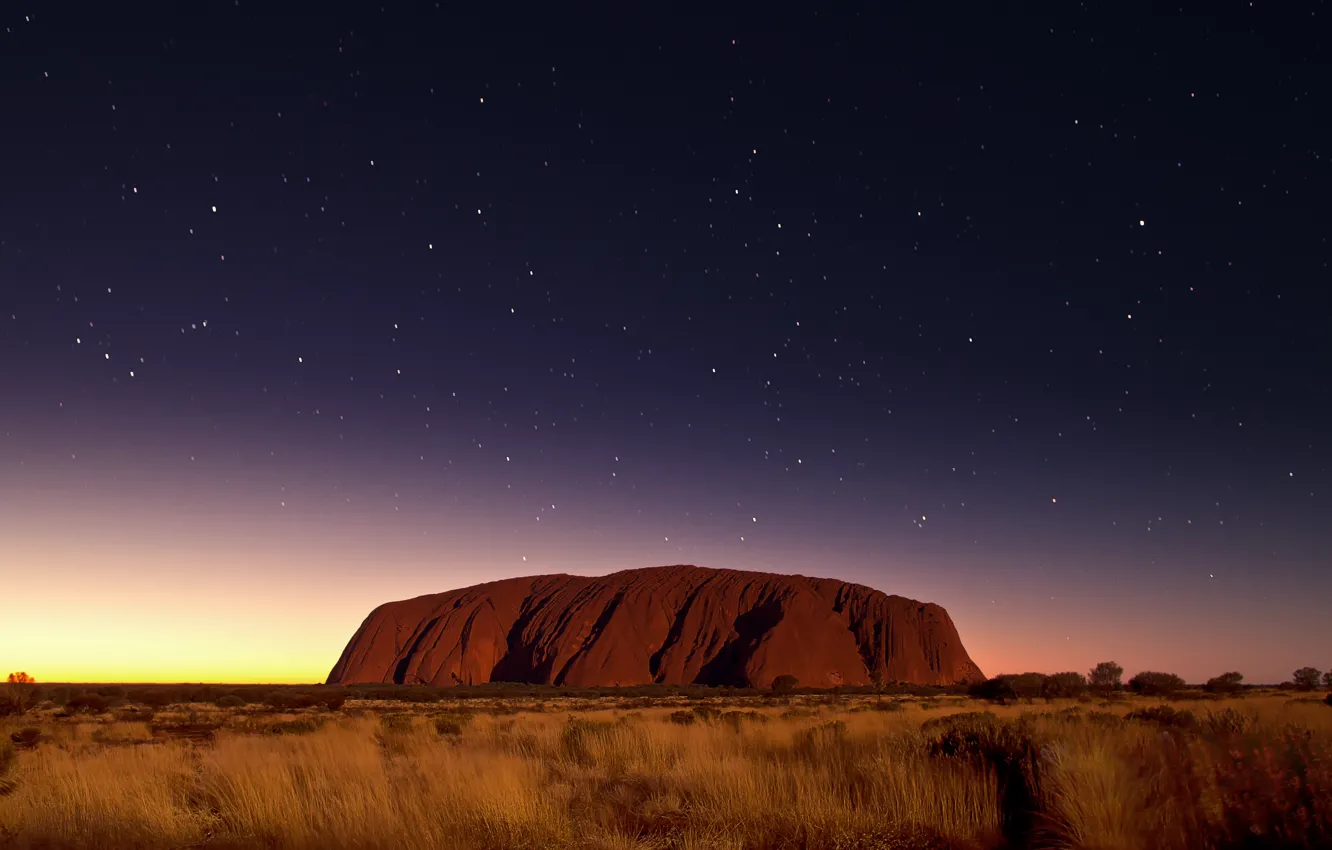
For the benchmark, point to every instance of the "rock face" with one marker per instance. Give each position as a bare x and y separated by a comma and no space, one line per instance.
668,625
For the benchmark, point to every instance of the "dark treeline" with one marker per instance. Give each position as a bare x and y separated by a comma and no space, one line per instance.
96,698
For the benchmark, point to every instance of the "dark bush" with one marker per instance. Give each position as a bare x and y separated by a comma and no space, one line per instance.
299,726
453,723
1199,695
396,722
784,684
335,703
1028,685
997,689
1328,699
304,700
1306,678
229,701
135,715
705,712
1151,683
1068,685
1226,683
1008,748
278,700
886,705
152,697
683,718
970,733
1164,715
28,736
736,719
87,702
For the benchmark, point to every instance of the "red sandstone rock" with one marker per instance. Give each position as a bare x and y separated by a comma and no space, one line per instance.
669,625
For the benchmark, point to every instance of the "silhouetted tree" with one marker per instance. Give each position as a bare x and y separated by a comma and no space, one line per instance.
1068,685
1226,683
1151,683
1306,678
995,689
1106,676
1327,680
19,694
784,684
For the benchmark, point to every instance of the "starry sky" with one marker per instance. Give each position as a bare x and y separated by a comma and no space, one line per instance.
303,309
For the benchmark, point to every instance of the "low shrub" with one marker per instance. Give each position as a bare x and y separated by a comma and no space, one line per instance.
1227,722
88,702
229,701
683,718
154,697
396,722
277,700
28,736
885,706
453,723
1164,715
135,715
1272,788
736,719
784,684
1009,748
1226,683
298,726
976,734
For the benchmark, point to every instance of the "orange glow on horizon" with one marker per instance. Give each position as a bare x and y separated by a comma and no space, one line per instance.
160,595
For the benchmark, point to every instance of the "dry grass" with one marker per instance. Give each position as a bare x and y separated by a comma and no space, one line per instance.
1253,772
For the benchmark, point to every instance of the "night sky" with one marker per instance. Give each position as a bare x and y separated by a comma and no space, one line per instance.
302,311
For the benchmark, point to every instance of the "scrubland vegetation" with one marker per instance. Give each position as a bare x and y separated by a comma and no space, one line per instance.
514,767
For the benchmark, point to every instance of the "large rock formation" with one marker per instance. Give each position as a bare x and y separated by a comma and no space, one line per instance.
670,625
